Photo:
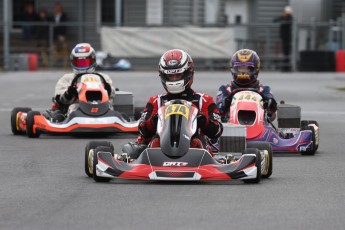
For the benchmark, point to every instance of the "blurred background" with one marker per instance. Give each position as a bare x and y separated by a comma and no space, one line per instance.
288,35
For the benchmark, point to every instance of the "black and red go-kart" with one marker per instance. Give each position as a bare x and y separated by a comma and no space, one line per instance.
95,113
175,160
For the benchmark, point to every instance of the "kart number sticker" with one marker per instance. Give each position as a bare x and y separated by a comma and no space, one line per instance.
94,110
90,78
176,110
249,97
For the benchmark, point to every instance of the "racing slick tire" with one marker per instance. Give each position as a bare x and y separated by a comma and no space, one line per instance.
267,172
257,164
95,162
30,124
89,152
313,138
14,119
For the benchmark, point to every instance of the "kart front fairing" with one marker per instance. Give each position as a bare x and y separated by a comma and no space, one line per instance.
196,164
247,109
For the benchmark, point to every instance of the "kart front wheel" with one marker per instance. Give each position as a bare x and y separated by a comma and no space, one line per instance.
15,119
95,162
30,122
268,155
89,152
257,164
313,139
306,123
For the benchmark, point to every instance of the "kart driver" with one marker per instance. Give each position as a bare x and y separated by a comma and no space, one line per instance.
176,71
245,67
83,61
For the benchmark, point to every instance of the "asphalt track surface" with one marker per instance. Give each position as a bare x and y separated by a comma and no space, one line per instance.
43,184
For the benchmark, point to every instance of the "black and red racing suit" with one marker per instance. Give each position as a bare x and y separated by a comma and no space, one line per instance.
210,126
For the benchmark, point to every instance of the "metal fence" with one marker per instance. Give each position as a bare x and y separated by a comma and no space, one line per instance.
264,38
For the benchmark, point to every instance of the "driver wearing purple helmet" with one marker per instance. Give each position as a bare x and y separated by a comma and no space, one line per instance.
245,67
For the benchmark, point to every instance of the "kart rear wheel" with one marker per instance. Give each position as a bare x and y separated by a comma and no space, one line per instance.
267,172
95,162
257,164
30,124
315,146
89,152
14,119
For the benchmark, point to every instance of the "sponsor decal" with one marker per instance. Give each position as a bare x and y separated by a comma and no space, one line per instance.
172,62
275,140
172,71
177,164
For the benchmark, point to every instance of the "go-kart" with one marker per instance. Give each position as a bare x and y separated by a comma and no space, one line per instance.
95,113
173,159
292,135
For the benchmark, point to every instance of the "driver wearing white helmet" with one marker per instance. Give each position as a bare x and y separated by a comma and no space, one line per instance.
82,60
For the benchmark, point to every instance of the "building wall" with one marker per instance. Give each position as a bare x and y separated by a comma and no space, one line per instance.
307,10
235,9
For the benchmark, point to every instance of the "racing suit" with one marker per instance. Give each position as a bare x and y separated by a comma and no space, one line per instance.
208,121
65,100
225,93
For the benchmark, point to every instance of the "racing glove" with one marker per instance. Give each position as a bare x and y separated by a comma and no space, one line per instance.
148,127
227,102
71,92
154,120
267,103
107,88
271,106
202,121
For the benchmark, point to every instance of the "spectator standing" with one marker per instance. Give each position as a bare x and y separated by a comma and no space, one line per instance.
29,15
42,35
285,32
60,47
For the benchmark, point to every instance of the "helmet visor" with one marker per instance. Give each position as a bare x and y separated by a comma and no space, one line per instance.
175,77
244,69
83,63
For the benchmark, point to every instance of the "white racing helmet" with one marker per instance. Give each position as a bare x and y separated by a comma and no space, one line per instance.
83,58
